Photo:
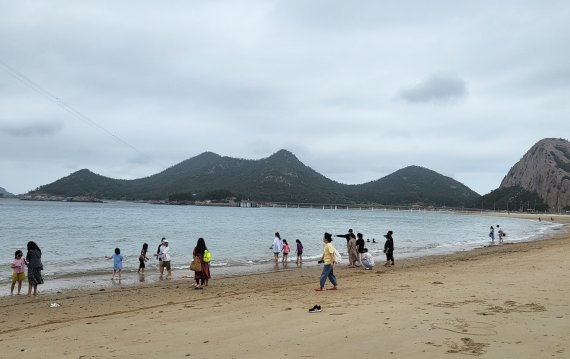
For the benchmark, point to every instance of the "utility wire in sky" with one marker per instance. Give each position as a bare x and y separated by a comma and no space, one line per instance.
56,100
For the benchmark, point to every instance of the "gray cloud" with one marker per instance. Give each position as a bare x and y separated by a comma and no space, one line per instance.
246,78
31,129
437,87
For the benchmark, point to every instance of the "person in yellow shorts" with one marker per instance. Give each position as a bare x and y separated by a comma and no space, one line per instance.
19,271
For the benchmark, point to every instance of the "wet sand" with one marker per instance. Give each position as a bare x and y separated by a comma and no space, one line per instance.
502,301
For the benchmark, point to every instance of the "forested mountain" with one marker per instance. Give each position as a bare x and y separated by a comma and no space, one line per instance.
513,198
416,184
280,178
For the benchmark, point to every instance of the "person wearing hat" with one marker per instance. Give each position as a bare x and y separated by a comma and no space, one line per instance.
166,260
389,248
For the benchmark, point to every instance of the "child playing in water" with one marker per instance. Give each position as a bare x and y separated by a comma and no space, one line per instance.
143,258
299,251
286,250
19,271
117,263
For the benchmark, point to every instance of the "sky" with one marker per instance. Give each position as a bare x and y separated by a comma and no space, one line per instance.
355,89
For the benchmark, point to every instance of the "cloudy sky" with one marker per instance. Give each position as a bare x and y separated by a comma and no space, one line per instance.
356,89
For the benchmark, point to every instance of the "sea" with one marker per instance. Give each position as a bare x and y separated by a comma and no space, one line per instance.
76,237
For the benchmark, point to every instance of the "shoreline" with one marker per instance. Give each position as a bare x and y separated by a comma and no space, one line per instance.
507,301
310,268
95,281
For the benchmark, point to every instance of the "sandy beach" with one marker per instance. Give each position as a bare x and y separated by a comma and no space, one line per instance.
502,301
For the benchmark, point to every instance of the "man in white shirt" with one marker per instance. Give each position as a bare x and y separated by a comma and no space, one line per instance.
165,253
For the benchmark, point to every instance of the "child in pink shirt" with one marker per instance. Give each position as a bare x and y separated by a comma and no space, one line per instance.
286,250
19,271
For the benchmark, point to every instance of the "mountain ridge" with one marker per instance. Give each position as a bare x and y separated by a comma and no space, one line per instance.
281,177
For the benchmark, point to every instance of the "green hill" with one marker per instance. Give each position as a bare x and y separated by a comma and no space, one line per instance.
416,185
510,199
279,178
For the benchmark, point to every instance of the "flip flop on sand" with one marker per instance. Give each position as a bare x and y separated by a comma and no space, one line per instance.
319,289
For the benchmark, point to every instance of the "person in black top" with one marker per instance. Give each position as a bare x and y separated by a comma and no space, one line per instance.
35,267
346,236
360,246
389,248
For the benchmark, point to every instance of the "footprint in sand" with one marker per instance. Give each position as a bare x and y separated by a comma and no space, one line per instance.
512,306
467,346
462,326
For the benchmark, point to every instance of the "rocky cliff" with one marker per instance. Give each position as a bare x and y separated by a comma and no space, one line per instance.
544,169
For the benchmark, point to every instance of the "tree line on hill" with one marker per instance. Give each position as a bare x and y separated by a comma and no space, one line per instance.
283,178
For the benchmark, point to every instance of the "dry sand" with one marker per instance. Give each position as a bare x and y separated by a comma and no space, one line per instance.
508,301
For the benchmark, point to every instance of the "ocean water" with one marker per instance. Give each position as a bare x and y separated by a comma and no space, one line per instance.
76,237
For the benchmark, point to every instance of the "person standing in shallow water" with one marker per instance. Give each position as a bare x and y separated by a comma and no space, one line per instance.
277,247
389,248
35,267
166,260
158,256
143,258
117,263
492,234
501,234
299,251
286,250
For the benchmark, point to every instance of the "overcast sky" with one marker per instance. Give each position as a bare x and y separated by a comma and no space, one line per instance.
355,89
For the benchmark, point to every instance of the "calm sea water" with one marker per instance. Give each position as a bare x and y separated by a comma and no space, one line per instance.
75,237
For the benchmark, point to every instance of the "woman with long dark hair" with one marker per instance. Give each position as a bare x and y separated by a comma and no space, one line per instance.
202,254
143,258
35,267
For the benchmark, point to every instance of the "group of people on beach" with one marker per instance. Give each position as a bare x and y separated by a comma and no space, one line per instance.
500,232
281,246
201,256
357,252
357,255
33,263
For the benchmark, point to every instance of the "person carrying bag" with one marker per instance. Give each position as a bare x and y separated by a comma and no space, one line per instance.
201,264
